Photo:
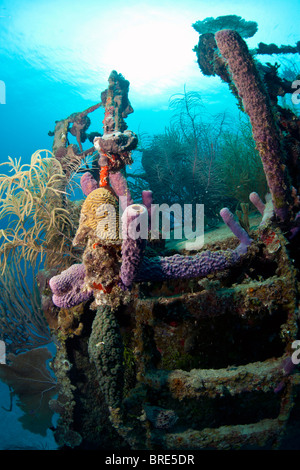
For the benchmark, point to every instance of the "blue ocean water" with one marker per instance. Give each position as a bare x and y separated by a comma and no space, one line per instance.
55,59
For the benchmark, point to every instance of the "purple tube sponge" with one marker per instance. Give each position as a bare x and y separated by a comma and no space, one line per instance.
236,229
147,197
67,287
257,202
200,265
134,234
266,210
185,267
256,103
88,183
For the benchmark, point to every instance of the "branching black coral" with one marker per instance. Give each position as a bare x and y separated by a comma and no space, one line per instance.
241,168
182,166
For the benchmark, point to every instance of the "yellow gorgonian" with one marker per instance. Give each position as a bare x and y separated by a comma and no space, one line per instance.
36,217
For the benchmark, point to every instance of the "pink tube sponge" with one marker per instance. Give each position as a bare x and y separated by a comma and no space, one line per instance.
119,185
88,183
147,197
256,103
132,246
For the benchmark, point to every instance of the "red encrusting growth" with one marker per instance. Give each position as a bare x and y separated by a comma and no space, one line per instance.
104,173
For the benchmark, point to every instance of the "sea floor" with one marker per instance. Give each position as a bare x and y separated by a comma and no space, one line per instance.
219,233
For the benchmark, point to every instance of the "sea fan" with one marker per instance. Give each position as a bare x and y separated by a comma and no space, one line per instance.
30,380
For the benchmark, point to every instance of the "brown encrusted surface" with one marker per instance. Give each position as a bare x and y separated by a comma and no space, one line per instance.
218,351
262,376
214,354
225,437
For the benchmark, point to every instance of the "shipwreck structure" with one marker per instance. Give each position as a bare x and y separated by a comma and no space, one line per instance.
183,350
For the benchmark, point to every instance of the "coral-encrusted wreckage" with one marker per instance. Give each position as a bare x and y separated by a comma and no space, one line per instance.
186,350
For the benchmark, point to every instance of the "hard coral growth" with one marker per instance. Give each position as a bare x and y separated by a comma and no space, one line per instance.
99,216
106,351
246,29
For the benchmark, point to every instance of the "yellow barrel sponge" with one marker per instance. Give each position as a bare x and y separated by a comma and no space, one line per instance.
99,217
